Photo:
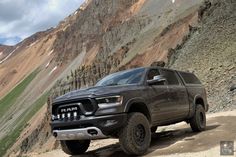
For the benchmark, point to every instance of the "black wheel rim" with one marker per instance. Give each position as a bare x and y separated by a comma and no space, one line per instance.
139,134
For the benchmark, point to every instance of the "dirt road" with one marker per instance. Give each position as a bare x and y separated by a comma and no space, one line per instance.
175,141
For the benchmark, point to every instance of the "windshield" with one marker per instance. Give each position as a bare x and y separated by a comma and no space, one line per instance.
122,78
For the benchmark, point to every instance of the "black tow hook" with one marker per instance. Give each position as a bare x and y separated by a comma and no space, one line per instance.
55,134
92,132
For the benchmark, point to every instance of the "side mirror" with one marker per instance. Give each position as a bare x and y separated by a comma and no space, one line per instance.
156,79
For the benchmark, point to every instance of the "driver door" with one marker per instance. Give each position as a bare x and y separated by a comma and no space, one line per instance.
158,98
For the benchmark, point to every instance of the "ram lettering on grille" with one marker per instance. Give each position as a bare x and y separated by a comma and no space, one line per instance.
63,110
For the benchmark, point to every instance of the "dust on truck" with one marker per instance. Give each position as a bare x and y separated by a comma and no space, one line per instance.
128,105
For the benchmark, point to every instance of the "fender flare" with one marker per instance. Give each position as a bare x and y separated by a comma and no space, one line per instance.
195,99
137,100
194,104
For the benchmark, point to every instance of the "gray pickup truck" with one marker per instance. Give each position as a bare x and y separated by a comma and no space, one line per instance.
128,105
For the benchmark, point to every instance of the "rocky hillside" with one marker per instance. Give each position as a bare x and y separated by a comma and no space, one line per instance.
104,36
210,52
128,31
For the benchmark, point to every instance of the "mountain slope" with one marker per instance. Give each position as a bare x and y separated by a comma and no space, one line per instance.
129,29
4,52
106,36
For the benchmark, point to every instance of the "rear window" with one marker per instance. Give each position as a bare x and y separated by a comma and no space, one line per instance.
190,78
170,77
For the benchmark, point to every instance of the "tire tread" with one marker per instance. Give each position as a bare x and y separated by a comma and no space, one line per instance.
126,141
194,123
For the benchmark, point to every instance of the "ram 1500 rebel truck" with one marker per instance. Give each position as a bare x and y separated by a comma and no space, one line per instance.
128,105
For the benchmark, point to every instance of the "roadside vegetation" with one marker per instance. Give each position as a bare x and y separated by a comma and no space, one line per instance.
10,139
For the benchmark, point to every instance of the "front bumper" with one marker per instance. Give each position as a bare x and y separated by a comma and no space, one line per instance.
108,124
79,134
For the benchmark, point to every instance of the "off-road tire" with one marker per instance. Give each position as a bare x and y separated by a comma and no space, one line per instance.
198,121
135,137
75,147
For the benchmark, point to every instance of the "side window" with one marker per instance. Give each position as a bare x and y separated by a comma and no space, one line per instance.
170,77
152,73
190,78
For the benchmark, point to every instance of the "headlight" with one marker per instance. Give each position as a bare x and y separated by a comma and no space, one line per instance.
109,101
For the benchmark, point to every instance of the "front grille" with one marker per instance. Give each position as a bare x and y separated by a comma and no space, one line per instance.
70,111
67,116
73,111
87,105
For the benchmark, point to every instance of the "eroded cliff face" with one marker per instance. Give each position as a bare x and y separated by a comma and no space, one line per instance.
118,35
105,24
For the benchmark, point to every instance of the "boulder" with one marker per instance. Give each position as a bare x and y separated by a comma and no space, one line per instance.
233,87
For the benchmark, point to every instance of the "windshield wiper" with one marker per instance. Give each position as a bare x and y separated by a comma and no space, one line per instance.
112,84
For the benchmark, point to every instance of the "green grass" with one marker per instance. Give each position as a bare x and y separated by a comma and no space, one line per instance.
7,101
10,139
37,105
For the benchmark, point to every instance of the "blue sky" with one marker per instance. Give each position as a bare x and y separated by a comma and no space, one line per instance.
10,40
22,18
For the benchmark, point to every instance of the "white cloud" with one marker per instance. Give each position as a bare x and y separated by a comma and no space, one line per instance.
22,18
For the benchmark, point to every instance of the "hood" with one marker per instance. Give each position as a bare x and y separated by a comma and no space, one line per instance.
95,91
